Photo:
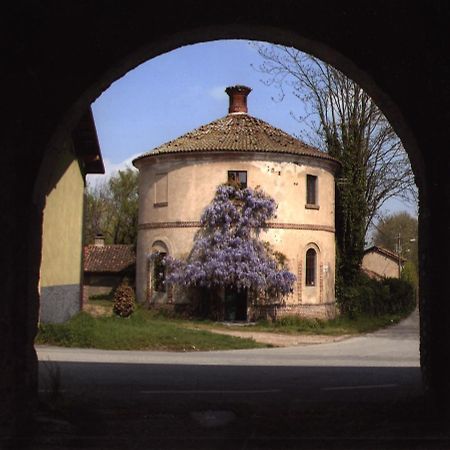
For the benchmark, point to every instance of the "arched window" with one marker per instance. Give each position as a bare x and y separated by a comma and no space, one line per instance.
159,273
311,264
157,268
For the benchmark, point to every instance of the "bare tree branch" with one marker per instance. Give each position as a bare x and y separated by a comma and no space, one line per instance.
341,115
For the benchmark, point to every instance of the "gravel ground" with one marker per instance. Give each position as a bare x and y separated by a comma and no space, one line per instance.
281,339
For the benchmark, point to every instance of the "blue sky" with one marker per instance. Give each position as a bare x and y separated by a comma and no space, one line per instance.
181,90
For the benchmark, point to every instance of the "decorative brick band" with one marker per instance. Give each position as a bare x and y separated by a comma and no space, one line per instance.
301,226
177,224
325,311
273,225
321,283
299,282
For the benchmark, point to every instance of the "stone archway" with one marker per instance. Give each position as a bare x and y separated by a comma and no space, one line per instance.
57,70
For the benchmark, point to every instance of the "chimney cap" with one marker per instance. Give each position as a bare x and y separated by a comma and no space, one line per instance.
99,240
238,98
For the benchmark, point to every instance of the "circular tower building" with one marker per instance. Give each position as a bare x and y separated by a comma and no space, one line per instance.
178,180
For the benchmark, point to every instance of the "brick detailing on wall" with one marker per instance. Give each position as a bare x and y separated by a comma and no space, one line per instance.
307,311
176,224
149,283
300,226
299,282
273,225
257,311
321,282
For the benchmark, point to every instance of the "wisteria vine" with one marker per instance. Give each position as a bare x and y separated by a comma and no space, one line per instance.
227,251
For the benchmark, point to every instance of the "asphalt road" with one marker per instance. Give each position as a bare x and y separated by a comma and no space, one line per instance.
396,346
364,392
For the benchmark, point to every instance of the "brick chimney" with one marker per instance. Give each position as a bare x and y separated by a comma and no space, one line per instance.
238,99
99,240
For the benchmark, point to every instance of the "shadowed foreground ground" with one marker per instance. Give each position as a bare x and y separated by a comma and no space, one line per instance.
361,393
209,407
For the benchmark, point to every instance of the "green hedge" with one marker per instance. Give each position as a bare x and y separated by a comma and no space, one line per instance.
376,297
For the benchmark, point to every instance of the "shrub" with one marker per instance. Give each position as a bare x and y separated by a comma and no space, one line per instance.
376,297
124,300
401,295
409,273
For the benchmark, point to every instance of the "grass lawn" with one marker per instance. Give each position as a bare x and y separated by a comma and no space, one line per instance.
144,330
152,330
334,327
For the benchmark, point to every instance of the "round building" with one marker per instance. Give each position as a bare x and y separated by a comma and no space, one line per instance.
178,180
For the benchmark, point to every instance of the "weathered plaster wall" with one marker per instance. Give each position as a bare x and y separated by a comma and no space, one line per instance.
380,264
61,264
191,184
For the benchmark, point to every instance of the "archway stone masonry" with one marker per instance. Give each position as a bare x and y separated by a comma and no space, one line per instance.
58,57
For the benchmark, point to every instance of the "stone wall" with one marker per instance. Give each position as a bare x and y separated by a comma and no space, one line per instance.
323,311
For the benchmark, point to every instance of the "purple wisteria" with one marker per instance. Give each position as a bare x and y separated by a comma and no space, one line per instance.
227,251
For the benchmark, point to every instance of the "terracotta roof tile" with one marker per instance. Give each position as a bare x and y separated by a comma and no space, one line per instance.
108,258
237,132
385,252
371,273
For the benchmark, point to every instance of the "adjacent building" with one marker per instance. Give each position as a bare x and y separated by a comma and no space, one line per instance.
106,266
61,270
380,263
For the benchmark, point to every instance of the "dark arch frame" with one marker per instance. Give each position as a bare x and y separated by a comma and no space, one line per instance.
229,31
396,51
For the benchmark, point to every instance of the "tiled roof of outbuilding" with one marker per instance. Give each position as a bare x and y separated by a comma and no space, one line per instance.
108,258
385,252
238,132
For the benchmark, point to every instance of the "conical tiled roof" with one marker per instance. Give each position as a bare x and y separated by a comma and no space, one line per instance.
239,132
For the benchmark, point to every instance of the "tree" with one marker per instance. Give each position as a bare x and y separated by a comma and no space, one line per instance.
95,211
124,206
112,209
227,251
342,120
398,233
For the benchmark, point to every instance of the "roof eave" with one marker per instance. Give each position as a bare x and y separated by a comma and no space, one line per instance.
155,155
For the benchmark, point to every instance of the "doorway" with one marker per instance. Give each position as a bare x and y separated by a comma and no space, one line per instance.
235,305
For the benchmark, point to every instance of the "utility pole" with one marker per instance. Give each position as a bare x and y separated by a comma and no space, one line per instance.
399,251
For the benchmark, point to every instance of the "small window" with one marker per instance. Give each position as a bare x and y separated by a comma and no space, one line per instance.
311,262
161,189
238,177
159,273
311,190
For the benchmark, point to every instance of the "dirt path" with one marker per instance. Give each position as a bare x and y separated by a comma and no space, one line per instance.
281,339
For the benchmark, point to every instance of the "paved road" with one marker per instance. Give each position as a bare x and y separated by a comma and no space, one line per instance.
396,346
364,392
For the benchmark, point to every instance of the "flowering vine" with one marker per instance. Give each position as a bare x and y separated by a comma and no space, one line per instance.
227,251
